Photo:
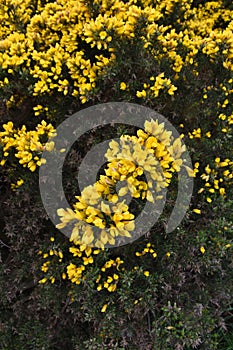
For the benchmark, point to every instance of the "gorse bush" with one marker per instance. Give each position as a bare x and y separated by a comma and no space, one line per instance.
164,290
154,150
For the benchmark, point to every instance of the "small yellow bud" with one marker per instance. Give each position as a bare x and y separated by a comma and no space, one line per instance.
104,308
202,249
43,281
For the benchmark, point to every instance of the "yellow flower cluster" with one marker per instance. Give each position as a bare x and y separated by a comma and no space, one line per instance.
154,149
76,272
217,178
111,281
113,221
73,272
195,133
159,83
153,152
51,42
65,46
112,263
16,185
48,264
147,250
217,175
227,122
39,109
27,145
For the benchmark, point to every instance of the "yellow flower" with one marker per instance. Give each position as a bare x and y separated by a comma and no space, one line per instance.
123,86
141,94
112,288
103,35
202,249
87,261
43,281
222,191
172,89
104,308
60,254
99,287
109,279
197,211
44,267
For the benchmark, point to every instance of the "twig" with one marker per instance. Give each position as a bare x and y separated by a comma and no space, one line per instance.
4,244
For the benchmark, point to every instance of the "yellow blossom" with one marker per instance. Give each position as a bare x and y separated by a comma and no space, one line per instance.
104,308
197,211
202,249
123,86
